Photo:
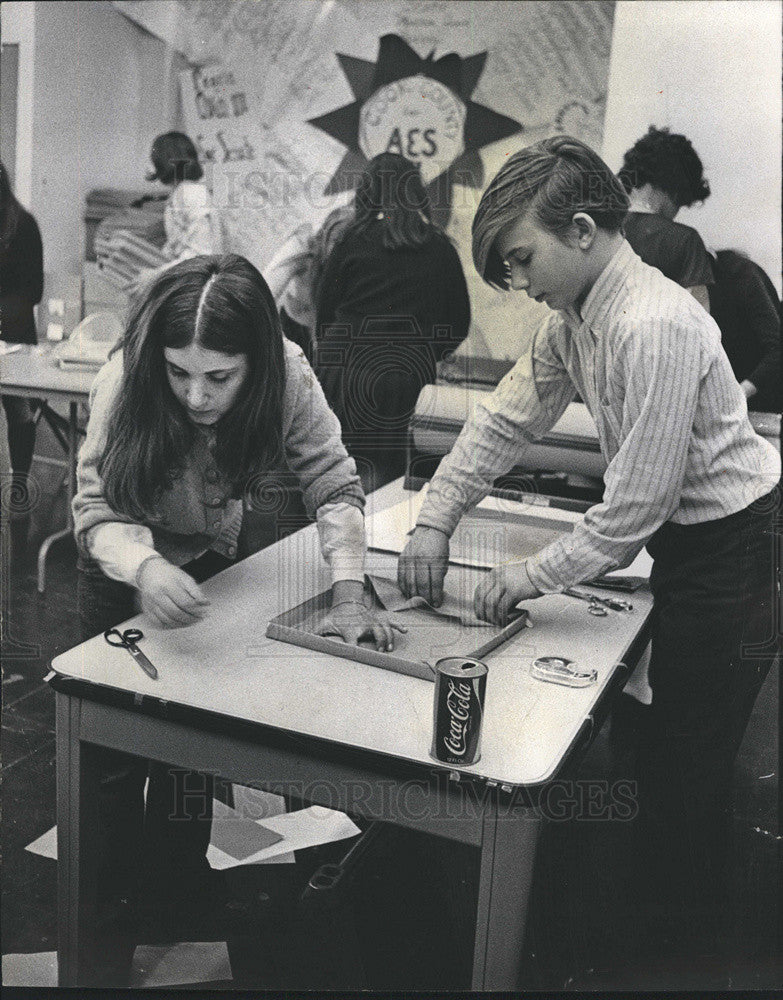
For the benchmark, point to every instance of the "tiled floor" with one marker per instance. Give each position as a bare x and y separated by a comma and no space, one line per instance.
578,910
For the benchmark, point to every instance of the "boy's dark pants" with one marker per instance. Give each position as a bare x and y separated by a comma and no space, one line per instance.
715,636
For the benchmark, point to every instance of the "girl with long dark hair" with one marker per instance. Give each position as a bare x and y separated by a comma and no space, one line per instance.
204,397
393,302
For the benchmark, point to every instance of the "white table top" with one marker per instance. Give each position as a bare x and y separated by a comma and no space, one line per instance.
33,368
225,664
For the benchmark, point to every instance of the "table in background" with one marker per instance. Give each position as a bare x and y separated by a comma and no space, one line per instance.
484,374
32,370
335,732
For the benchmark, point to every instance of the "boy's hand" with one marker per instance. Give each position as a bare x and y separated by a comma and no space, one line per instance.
502,589
423,564
169,596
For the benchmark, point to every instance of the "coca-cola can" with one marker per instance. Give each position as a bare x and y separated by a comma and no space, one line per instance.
460,683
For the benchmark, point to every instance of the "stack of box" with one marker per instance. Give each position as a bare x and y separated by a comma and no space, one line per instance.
123,255
104,202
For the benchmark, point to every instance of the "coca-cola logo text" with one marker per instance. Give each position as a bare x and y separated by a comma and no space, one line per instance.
458,705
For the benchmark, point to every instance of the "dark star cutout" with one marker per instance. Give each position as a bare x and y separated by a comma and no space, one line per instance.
396,61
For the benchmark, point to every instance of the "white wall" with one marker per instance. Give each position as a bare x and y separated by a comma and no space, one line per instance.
711,70
17,27
94,90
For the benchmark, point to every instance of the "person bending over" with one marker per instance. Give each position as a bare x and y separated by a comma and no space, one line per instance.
203,397
686,476
662,174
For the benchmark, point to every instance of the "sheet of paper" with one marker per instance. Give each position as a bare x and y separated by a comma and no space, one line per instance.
35,969
180,964
496,532
237,836
256,804
306,828
489,535
45,845
454,607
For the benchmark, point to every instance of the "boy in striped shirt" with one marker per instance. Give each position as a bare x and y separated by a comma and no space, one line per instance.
686,476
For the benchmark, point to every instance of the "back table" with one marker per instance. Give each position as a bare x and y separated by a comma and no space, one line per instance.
336,732
32,370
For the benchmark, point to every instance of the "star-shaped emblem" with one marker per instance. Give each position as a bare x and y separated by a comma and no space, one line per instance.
421,108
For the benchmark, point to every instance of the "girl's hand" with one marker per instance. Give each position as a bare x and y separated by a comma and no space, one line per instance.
169,596
501,590
354,621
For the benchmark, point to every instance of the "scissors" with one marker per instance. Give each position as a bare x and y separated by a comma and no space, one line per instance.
127,640
599,605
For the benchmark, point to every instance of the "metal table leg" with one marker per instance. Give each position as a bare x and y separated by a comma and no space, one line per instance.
46,544
507,856
77,788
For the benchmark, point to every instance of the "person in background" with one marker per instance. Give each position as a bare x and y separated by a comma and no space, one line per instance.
393,302
190,220
295,274
204,396
746,307
662,173
687,477
21,288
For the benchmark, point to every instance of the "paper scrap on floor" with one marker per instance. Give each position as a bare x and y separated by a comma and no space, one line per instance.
257,804
45,845
239,838
294,831
180,964
34,969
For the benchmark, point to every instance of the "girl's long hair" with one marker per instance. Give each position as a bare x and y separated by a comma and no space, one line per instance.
221,303
321,244
391,195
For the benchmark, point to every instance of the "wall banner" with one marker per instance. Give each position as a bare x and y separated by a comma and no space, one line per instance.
420,108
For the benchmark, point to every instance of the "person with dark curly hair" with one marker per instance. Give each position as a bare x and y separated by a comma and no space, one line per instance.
663,173
190,220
